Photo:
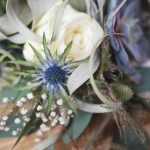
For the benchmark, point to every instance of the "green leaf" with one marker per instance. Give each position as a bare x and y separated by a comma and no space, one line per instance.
74,64
68,100
22,62
50,102
78,125
46,50
65,53
38,55
25,74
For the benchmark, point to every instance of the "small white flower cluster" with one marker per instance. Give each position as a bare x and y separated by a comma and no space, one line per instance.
22,117
59,115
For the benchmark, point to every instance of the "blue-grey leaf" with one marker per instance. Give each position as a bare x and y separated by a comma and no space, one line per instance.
77,126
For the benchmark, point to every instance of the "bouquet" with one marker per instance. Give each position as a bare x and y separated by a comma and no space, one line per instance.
62,61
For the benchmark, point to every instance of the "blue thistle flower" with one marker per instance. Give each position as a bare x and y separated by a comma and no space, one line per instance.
132,45
50,74
53,74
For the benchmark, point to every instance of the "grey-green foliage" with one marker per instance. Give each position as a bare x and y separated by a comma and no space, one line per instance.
77,126
80,5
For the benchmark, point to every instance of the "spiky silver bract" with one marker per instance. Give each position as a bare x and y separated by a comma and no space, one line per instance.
50,74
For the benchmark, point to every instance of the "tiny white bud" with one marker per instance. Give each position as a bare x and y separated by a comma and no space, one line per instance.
61,119
23,111
5,100
44,96
5,118
37,140
3,123
18,129
7,129
38,115
19,103
53,124
39,133
53,107
17,121
39,108
26,119
23,99
14,133
30,96
69,112
59,102
44,120
53,114
62,122
44,127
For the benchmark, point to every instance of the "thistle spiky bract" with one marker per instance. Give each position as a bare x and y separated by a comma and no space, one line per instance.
49,73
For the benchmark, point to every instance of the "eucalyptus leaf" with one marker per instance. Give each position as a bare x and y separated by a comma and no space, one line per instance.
77,126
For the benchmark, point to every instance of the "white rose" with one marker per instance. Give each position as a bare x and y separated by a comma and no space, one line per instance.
76,26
